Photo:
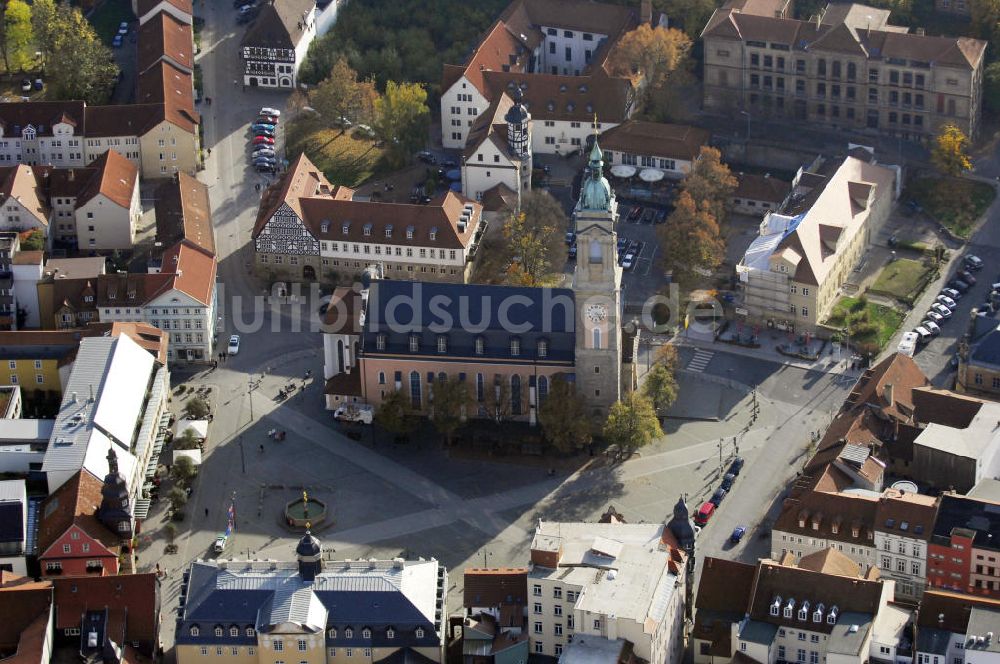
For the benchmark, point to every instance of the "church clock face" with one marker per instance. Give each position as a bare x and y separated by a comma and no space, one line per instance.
596,313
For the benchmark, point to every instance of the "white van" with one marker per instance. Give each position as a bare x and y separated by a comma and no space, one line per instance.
923,335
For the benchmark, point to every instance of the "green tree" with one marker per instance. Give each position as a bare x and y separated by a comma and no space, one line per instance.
691,240
985,16
183,470
991,88
534,237
950,152
710,182
77,64
187,441
563,416
43,25
177,497
395,414
452,399
402,120
34,242
632,423
660,387
498,404
17,36
196,409
335,96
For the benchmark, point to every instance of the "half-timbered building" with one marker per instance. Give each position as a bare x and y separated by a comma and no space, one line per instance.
309,229
276,43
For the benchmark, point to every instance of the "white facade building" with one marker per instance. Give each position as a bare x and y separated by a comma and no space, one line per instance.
610,581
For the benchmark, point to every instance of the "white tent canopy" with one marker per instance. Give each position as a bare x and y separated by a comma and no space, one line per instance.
623,170
198,427
651,175
194,455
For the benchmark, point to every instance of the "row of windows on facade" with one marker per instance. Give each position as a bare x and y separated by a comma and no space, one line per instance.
886,564
978,380
516,399
799,657
541,348
279,645
642,160
294,260
895,98
837,69
557,628
587,53
893,118
55,567
39,379
251,650
366,249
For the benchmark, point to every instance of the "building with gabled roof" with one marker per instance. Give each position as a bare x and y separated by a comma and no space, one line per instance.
146,10
955,626
165,38
28,614
325,610
555,52
964,555
845,67
308,228
792,273
276,43
819,609
184,212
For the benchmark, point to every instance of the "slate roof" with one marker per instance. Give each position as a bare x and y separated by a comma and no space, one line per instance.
15,116
279,25
460,311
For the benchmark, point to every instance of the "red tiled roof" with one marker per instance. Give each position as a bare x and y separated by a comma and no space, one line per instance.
183,212
761,188
116,178
22,602
165,38
494,587
195,270
74,503
133,597
146,6
655,138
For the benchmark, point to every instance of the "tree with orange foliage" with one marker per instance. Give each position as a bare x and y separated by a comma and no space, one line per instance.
690,240
650,56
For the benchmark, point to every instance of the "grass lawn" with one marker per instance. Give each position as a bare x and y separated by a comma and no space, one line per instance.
903,279
342,157
871,325
955,202
106,18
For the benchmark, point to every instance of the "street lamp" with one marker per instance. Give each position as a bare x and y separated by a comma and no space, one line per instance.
748,124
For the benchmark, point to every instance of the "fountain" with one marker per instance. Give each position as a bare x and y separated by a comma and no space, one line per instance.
305,512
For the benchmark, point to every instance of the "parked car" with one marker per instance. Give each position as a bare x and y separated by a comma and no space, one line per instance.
718,496
941,309
628,262
572,251
974,262
116,41
426,157
934,316
635,213
268,119
952,293
220,543
262,125
267,110
265,168
738,533
958,285
123,28
26,85
264,150
736,466
727,481
234,345
931,327
704,513
570,237
648,216
447,163
946,301
923,335
263,140
967,277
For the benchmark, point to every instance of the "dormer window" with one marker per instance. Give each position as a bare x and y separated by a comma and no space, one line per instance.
250,631
88,298
409,232
480,346
234,631
388,230
348,633
380,342
776,606
442,343
367,230
414,343
420,632
804,611
324,226
218,631
789,608
818,614
332,633
346,228
366,633
543,348
832,618
194,631
515,347
29,133
434,233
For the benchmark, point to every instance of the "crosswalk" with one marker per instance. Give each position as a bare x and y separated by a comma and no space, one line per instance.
700,360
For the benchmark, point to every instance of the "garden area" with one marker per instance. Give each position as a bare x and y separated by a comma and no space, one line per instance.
956,203
903,279
344,156
869,325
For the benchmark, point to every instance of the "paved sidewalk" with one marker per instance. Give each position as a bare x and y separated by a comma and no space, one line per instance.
827,362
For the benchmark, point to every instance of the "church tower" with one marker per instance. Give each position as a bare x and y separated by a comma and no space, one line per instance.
597,283
114,511
519,138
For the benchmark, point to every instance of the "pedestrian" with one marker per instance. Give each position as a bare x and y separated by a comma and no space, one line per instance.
206,511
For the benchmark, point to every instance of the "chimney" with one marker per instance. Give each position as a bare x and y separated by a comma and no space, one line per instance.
645,11
72,175
889,397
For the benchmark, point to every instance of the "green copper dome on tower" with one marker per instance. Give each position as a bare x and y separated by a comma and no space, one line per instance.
595,194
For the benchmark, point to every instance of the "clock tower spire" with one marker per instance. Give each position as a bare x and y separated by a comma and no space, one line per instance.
597,285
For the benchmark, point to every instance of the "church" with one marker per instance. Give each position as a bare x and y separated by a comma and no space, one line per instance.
507,342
